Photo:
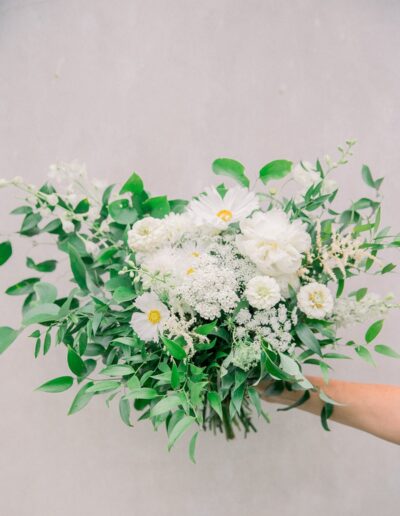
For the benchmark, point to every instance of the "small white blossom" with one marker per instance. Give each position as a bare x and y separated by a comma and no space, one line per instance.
347,311
68,226
52,199
315,300
262,292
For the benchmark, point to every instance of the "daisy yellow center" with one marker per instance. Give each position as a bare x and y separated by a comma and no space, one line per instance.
317,299
225,215
190,270
154,316
196,254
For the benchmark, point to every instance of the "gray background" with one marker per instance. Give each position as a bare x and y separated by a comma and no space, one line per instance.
163,88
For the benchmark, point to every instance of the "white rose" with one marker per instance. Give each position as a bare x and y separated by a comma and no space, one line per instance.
146,235
273,243
315,300
263,292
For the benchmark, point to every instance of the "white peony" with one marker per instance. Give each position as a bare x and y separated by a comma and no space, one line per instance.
146,235
273,243
151,319
263,292
315,300
211,209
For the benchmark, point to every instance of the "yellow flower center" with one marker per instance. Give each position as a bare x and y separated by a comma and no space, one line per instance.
191,270
225,215
154,316
196,254
317,299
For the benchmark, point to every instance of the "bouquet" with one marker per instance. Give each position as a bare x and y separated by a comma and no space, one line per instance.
177,310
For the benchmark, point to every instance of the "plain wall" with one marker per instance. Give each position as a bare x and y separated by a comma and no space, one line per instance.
163,88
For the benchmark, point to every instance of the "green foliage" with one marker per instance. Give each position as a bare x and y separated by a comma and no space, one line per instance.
277,169
5,251
60,384
231,168
7,337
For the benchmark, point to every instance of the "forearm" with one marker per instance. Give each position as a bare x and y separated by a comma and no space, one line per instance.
372,408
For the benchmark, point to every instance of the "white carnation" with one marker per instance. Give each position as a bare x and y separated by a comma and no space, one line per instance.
273,243
315,300
146,235
263,292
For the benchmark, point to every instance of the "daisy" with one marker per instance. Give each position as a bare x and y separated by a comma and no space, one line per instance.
152,317
213,210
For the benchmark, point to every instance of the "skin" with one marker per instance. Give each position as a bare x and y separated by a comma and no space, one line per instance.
372,408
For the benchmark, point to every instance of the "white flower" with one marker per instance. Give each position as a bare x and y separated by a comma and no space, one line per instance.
212,210
151,319
305,175
273,243
146,235
315,300
68,226
104,227
52,199
347,311
44,211
92,248
176,225
263,292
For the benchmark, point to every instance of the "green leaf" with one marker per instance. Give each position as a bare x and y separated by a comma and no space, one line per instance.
308,338
75,363
192,447
387,351
125,411
5,251
175,380
165,405
134,185
103,386
142,393
41,313
214,400
277,169
118,370
361,293
77,267
255,399
82,207
106,255
373,331
157,207
122,212
325,398
179,429
7,337
60,384
123,294
231,168
326,412
45,292
23,287
81,399
46,266
388,268
206,329
367,176
365,354
174,349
